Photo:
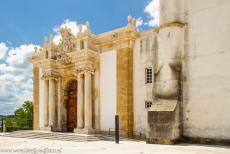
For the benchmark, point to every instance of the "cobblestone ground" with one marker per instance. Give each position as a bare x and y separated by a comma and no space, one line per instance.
36,146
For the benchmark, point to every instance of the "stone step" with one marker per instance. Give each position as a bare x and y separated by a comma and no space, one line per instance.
47,134
58,138
53,136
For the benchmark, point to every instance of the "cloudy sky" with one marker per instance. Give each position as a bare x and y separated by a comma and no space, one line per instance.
24,23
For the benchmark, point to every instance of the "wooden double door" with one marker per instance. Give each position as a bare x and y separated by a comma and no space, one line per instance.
72,106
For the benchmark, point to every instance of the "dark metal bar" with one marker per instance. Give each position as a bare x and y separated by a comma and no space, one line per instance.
117,129
2,124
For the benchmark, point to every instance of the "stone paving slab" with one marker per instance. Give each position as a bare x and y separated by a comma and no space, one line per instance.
103,147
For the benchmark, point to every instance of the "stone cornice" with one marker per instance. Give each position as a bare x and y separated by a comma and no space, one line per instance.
36,57
48,63
120,38
173,24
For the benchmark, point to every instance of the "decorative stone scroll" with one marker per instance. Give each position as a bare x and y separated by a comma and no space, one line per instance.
50,74
64,59
68,43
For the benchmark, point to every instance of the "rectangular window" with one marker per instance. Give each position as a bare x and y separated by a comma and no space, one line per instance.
148,75
148,104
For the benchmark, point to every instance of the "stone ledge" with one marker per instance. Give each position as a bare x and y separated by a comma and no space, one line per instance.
45,129
161,141
86,131
212,141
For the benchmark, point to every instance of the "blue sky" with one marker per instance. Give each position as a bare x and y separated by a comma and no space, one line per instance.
27,21
24,23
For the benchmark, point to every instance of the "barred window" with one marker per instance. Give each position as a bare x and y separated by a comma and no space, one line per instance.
148,75
148,104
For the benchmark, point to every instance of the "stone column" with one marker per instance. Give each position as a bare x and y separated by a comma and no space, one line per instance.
97,101
80,103
46,103
51,102
58,87
88,101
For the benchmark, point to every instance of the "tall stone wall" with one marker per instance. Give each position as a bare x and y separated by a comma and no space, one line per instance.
144,56
125,90
36,97
206,73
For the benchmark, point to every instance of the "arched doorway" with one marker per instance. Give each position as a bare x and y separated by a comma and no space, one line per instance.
72,105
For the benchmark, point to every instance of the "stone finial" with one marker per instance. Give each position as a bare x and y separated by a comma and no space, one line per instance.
134,22
80,28
51,38
131,22
46,39
87,24
35,49
40,49
129,18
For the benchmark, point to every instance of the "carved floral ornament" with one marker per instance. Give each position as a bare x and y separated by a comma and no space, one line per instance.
63,58
50,74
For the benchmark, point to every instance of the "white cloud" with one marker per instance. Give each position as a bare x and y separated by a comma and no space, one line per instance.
16,73
152,9
72,25
3,49
17,56
16,77
139,23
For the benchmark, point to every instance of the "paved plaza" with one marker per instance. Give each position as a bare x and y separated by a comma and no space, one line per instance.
36,146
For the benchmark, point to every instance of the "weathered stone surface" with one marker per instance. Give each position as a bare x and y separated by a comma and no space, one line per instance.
125,90
36,97
163,123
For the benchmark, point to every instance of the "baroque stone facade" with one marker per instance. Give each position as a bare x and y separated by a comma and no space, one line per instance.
155,80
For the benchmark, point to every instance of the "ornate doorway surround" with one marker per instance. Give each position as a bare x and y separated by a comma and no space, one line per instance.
71,89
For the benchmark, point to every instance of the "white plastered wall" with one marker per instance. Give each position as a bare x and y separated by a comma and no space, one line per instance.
107,89
207,74
143,57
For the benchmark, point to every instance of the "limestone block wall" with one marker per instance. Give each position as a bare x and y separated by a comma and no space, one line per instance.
143,56
41,99
171,46
170,11
124,89
36,97
206,73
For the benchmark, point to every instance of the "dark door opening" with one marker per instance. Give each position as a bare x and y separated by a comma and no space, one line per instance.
72,106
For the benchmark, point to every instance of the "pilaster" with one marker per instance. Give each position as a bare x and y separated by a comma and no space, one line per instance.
36,97
125,90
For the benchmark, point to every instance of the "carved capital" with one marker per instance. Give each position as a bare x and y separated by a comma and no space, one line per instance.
86,68
50,74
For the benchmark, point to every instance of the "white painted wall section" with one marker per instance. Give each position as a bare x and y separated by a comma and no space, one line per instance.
108,89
